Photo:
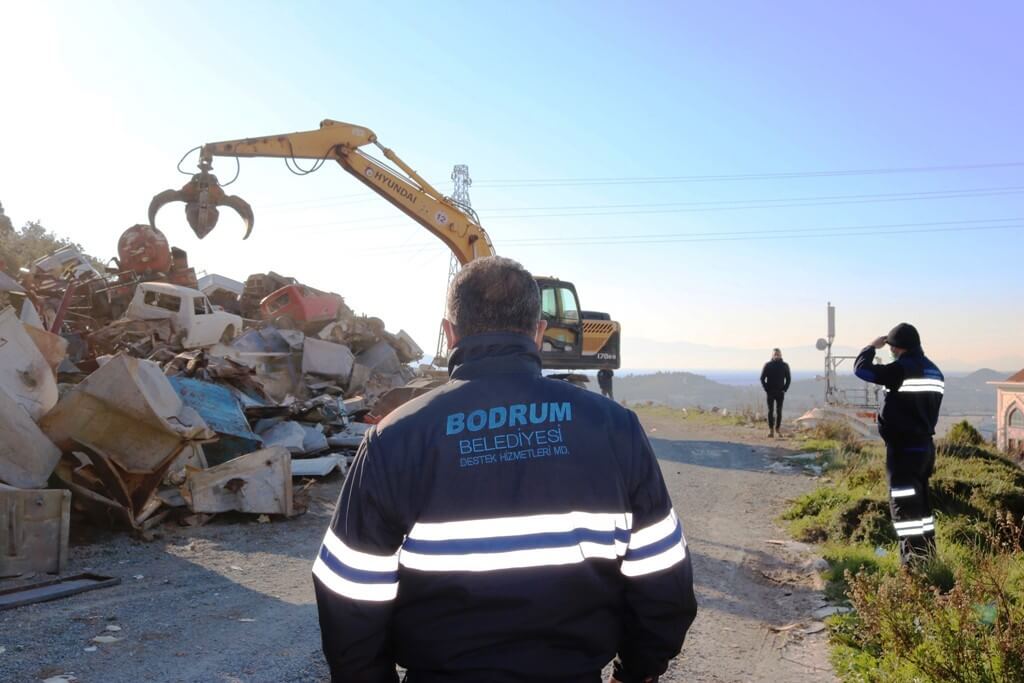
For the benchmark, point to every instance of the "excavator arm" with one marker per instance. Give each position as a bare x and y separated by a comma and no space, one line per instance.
456,226
573,340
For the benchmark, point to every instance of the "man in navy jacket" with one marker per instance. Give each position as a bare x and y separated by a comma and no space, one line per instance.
914,388
504,527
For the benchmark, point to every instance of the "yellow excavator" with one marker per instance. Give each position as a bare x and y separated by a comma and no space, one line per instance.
575,339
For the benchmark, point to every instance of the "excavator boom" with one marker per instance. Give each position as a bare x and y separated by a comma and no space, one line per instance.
456,226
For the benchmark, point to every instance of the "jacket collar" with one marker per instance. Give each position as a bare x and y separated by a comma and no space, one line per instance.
494,353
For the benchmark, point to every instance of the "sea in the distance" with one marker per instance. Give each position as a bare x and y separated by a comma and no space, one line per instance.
737,378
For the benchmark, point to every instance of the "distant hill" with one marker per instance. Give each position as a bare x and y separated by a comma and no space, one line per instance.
683,354
658,354
683,390
965,395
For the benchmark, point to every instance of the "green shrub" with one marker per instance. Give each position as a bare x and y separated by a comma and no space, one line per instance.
958,616
837,432
906,629
844,560
964,433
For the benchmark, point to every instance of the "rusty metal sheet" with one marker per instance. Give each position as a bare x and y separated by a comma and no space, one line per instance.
380,358
327,359
24,373
263,340
220,409
53,347
27,456
9,284
129,410
259,482
317,467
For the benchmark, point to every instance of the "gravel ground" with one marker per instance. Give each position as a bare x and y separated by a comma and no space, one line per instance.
233,600
757,590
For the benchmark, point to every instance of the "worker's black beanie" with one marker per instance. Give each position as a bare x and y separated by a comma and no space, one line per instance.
904,336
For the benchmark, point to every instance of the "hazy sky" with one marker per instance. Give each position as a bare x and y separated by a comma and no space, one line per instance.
677,161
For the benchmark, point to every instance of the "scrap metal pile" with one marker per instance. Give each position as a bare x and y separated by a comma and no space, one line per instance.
147,397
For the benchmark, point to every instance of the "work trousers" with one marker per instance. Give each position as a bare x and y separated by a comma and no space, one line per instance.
909,468
775,409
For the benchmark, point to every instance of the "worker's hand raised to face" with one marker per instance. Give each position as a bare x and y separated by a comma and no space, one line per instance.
879,343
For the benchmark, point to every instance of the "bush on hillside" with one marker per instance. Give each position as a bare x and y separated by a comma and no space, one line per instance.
970,488
963,433
959,617
835,430
914,626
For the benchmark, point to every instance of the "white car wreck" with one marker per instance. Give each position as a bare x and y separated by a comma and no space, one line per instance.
191,314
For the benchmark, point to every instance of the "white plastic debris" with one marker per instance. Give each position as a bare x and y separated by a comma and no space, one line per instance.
291,435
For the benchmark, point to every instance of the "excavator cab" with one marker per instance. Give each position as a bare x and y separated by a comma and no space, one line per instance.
575,339
560,308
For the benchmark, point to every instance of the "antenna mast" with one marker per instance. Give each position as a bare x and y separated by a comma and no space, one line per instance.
460,196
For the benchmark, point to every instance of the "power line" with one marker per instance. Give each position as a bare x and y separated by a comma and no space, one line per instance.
700,207
968,192
749,235
741,205
611,239
763,235
640,180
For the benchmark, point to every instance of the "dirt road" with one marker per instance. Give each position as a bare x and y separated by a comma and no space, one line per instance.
756,590
233,601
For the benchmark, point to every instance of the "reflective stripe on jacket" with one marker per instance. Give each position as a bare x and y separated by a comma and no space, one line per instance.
504,527
914,388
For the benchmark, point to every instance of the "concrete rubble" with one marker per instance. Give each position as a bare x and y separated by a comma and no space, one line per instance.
128,421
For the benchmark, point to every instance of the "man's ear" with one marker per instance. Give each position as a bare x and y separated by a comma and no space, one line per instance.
538,337
449,333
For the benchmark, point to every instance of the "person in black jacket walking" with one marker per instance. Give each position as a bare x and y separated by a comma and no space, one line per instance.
505,527
914,388
775,382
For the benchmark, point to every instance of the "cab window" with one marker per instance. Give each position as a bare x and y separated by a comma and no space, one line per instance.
199,305
168,302
278,303
548,303
570,310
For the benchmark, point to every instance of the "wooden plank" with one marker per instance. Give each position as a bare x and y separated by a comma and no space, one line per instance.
34,526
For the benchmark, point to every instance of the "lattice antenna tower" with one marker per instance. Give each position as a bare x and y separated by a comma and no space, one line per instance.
460,196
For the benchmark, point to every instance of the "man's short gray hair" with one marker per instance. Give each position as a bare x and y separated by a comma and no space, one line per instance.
493,294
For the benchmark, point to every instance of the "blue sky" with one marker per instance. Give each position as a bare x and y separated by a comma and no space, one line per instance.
102,98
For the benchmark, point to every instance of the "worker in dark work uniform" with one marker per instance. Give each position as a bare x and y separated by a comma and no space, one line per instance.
775,381
604,381
504,527
914,388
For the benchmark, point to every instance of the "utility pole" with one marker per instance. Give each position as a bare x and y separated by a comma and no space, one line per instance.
460,196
